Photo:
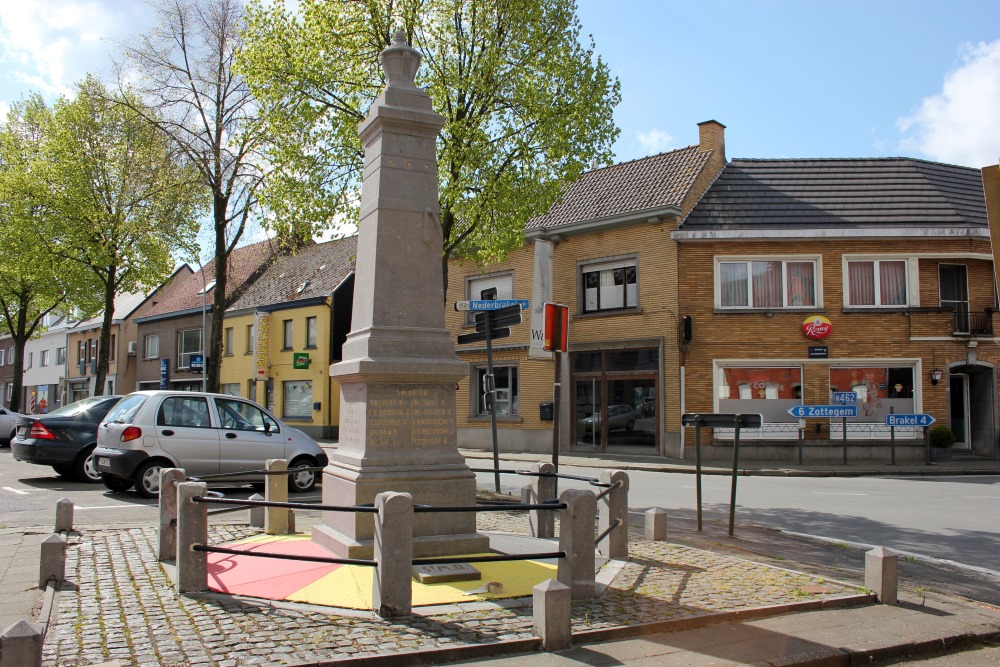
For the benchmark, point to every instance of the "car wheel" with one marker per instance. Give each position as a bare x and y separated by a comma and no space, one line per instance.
147,479
630,425
63,470
302,481
85,466
116,484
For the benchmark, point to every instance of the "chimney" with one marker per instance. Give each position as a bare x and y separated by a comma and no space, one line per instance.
712,135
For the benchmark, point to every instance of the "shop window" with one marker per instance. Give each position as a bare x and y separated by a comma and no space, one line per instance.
877,283
770,284
296,399
769,392
609,286
482,287
505,380
188,345
880,389
151,347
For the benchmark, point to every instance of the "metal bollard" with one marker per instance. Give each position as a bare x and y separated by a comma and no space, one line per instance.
613,516
64,515
276,518
656,524
53,560
21,645
169,479
543,522
392,593
551,614
192,529
576,541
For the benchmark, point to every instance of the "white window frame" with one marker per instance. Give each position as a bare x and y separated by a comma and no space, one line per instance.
151,341
817,262
912,272
1,357
228,342
184,358
60,356
606,264
503,281
311,329
508,398
287,334
288,385
43,358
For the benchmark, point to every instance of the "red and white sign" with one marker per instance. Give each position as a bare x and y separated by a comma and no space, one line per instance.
817,327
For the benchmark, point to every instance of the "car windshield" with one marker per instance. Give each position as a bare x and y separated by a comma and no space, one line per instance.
73,409
125,410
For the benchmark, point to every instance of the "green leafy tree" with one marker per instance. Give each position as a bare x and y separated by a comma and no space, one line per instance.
527,107
33,280
124,198
183,72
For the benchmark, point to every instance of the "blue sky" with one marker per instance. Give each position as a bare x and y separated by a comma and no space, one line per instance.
789,78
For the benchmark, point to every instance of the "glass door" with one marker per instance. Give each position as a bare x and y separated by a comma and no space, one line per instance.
631,412
955,293
588,414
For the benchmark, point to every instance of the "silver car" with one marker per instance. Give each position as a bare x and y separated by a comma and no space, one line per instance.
205,434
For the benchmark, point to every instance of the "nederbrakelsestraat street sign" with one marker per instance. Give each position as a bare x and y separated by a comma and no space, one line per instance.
838,411
909,420
491,304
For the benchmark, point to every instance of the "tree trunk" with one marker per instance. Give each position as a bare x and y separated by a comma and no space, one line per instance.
213,363
20,338
104,338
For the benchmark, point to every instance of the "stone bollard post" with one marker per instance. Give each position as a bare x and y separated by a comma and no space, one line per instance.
192,529
64,515
612,509
21,645
53,560
169,479
656,524
881,568
392,593
551,606
576,540
543,522
256,512
276,518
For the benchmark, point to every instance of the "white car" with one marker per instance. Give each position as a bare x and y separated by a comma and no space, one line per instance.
8,424
203,433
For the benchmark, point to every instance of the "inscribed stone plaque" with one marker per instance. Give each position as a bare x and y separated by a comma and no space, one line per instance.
435,574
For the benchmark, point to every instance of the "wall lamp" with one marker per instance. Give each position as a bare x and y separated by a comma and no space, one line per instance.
936,375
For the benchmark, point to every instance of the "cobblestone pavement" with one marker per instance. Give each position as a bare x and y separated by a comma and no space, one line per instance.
119,604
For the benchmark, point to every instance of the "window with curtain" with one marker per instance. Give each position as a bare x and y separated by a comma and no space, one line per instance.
770,284
877,283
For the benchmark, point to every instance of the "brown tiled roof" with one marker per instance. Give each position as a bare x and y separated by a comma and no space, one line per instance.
650,183
243,264
851,193
314,271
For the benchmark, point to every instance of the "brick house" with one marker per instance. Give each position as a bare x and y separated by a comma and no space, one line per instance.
605,251
891,257
286,329
6,370
170,333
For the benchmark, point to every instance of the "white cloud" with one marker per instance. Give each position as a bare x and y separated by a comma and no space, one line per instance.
655,141
961,124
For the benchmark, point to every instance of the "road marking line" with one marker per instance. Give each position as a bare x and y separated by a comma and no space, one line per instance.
834,493
17,491
114,507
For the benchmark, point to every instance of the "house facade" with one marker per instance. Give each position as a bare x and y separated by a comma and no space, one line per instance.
803,278
170,334
606,252
286,329
45,367
6,371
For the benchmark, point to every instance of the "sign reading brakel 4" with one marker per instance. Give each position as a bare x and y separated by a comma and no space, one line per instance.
260,323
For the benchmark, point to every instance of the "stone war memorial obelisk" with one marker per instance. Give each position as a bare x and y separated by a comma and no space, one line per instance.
399,369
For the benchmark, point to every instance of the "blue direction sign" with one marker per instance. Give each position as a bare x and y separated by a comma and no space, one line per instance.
842,397
805,411
491,304
909,420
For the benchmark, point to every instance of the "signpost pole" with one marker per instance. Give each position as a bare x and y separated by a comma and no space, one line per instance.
493,400
892,439
697,467
927,445
736,454
844,425
556,391
802,435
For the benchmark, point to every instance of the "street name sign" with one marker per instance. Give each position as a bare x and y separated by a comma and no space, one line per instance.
491,304
842,397
909,420
807,411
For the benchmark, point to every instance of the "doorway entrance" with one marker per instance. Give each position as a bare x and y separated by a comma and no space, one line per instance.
972,408
616,398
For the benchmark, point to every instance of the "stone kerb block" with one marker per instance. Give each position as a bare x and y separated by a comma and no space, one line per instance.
21,645
169,479
392,592
576,541
276,491
881,570
64,515
53,560
256,519
612,510
656,524
192,529
543,522
552,619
